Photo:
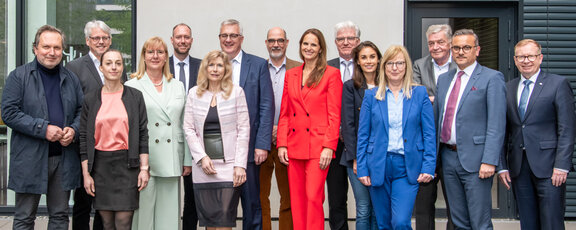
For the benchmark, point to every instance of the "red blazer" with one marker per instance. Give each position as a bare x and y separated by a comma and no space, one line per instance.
310,117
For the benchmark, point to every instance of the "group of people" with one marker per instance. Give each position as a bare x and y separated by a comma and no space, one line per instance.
392,127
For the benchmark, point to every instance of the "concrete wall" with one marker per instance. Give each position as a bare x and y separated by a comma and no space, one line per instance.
380,21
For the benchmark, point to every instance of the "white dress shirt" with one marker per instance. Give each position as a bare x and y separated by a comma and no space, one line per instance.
236,68
463,82
96,65
186,70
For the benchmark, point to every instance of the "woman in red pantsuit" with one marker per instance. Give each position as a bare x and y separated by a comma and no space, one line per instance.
308,129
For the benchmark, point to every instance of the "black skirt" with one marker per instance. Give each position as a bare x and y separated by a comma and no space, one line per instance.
216,204
116,185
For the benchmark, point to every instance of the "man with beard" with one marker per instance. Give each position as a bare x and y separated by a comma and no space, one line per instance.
187,72
276,43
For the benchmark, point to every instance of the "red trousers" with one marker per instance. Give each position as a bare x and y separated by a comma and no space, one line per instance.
307,193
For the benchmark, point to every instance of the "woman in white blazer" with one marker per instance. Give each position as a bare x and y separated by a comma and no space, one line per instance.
165,99
217,129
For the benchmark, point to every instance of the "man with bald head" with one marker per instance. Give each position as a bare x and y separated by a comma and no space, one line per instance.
276,43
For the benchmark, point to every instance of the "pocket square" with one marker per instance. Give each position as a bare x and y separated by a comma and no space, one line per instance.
473,88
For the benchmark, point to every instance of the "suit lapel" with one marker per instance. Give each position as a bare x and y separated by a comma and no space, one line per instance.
244,69
469,85
171,64
444,92
383,105
93,70
540,82
193,74
156,97
406,105
514,96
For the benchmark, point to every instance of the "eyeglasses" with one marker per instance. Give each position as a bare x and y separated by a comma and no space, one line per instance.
158,52
97,39
398,64
280,41
342,39
530,58
232,36
466,49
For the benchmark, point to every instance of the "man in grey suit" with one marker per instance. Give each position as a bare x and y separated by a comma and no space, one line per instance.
540,140
187,72
347,37
426,72
98,39
251,73
471,119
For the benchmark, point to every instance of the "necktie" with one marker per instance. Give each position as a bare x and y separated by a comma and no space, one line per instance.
182,76
451,109
346,75
524,98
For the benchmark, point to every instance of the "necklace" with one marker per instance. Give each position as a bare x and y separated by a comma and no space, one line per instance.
158,84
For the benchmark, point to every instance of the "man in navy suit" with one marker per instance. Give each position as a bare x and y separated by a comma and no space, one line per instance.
540,140
471,116
187,72
252,74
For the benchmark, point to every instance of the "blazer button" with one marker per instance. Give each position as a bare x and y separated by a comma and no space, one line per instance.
307,130
157,124
168,140
157,141
359,108
307,115
404,140
169,124
294,114
293,130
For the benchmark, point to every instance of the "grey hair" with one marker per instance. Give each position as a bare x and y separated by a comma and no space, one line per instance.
232,22
467,32
95,24
440,28
345,25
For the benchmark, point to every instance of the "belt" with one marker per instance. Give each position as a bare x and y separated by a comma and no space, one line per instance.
451,147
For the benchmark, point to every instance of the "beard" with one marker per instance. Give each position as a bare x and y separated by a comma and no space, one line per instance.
276,54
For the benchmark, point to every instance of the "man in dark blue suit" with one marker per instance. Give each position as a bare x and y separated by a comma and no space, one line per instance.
540,140
470,109
187,72
252,74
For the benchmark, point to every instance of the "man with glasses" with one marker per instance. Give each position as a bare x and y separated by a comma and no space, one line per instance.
252,74
540,134
470,109
87,69
347,37
185,68
276,43
426,72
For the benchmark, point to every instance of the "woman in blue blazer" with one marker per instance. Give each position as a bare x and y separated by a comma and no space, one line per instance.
396,141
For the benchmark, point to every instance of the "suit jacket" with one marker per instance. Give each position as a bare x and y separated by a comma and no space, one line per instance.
351,105
334,63
166,138
194,65
480,117
310,117
547,131
137,126
417,131
424,73
85,70
291,63
234,126
257,85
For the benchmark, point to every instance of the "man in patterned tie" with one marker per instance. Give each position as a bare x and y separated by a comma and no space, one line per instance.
470,109
540,134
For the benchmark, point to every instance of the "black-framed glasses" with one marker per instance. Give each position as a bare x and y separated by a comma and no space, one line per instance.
97,39
342,39
231,36
279,40
398,64
466,49
530,58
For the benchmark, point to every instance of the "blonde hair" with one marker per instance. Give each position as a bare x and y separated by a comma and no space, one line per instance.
226,84
150,43
407,82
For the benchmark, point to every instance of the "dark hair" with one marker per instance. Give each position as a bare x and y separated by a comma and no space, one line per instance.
48,28
318,72
358,77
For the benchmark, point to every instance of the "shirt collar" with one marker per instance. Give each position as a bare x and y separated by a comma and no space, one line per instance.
532,78
94,59
277,68
342,59
238,57
186,60
445,64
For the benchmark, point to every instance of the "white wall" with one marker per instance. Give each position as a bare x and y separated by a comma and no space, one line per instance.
380,21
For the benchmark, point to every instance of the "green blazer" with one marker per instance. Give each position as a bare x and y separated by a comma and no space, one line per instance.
165,111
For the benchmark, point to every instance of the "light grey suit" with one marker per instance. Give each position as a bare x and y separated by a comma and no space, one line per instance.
424,73
480,121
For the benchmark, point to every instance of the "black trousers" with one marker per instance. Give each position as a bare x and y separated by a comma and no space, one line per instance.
337,181
189,215
81,211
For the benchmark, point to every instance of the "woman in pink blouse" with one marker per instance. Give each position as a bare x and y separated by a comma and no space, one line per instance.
217,129
114,145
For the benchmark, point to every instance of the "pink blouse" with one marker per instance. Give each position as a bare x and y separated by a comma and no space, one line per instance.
111,132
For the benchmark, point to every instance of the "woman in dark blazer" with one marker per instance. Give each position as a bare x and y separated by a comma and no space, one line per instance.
308,129
114,145
396,141
367,59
